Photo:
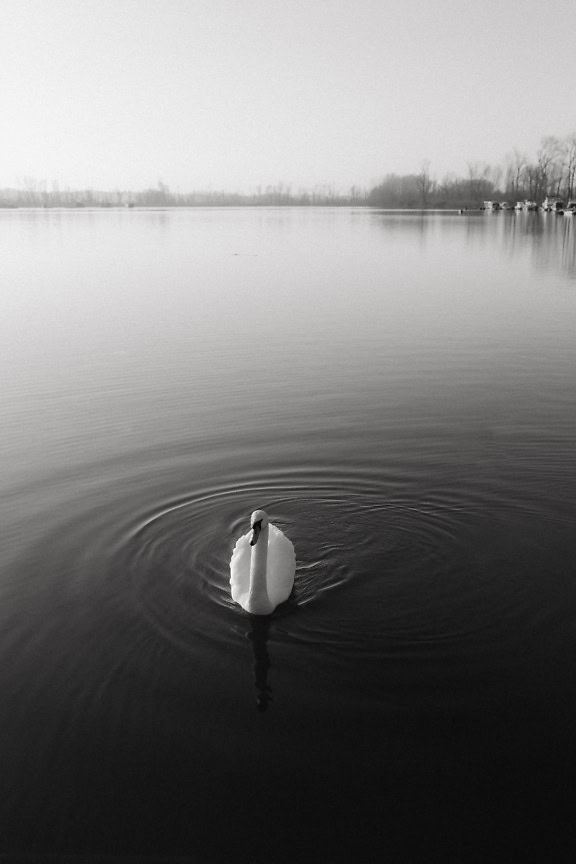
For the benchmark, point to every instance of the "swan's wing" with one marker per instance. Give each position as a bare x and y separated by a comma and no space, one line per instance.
240,568
281,566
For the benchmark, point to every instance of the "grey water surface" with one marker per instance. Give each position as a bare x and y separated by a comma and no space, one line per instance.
397,390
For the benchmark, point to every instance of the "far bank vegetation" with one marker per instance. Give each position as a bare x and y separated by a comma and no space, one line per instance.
551,172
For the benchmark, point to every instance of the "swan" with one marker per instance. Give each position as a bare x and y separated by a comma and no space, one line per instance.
262,567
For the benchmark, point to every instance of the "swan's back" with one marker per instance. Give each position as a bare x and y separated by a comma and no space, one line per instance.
279,572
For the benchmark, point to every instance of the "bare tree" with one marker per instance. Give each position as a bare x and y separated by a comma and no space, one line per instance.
480,184
424,181
569,146
514,167
548,165
495,176
447,184
32,190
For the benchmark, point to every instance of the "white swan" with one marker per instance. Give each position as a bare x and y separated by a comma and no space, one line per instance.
262,567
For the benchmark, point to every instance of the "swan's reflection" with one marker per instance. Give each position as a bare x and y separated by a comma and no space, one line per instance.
258,635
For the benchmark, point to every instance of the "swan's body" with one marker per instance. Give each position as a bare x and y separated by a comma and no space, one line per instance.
262,567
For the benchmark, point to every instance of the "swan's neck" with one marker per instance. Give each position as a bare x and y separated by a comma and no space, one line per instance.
258,600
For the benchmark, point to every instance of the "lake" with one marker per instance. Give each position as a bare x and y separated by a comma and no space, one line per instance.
397,390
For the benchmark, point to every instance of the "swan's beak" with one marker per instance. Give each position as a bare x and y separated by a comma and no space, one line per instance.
255,533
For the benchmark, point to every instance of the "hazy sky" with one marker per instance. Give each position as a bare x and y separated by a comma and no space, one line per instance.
232,94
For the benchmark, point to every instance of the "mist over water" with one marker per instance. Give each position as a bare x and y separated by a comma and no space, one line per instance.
397,391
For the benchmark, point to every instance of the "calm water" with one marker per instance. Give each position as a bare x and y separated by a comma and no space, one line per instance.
397,390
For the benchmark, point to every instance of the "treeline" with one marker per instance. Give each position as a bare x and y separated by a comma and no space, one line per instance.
34,193
551,172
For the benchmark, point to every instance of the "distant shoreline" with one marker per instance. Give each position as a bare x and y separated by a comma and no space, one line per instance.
155,207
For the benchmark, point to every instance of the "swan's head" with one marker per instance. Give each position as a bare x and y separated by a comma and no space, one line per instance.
258,521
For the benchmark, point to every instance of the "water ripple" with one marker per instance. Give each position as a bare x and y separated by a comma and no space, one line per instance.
386,561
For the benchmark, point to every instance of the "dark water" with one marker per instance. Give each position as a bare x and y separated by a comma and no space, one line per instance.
398,392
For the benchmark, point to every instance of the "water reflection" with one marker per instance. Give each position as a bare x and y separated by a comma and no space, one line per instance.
258,636
404,223
548,240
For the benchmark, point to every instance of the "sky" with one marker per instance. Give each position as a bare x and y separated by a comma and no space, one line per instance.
241,94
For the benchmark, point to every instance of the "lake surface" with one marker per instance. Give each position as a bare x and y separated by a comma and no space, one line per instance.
397,390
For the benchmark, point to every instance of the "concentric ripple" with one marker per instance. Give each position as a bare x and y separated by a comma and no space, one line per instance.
390,559
349,530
